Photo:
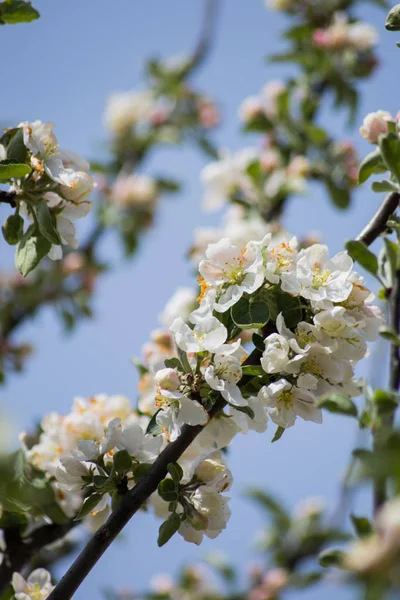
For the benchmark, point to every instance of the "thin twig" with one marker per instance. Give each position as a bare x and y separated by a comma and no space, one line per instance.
207,34
378,224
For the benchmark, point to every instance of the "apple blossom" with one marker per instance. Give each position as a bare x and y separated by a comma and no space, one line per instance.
374,125
36,587
287,402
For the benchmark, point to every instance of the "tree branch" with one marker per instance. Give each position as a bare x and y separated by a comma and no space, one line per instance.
378,223
19,550
207,33
130,504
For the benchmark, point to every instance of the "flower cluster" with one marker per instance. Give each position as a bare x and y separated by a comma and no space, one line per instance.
48,185
252,177
342,34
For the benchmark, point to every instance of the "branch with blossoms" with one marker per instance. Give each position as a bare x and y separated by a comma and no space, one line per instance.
277,332
50,187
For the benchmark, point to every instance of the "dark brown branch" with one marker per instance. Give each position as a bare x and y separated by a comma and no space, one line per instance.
20,550
378,223
7,198
130,504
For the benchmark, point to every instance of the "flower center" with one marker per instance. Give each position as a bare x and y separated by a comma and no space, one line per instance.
285,400
35,591
320,276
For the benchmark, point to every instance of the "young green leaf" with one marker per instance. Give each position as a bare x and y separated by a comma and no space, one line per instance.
176,472
47,224
360,253
30,250
362,526
331,558
393,19
18,11
389,144
167,489
372,164
250,314
278,434
337,403
122,461
168,529
13,229
384,186
13,170
88,506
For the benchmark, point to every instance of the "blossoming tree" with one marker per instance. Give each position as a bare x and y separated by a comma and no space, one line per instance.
272,333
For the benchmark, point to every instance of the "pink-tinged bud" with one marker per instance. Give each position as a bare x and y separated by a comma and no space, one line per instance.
208,113
374,125
298,167
274,580
250,109
167,379
134,190
159,116
321,38
73,262
270,160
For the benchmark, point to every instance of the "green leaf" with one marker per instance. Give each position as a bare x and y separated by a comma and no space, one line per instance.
385,401
384,186
168,529
258,341
255,173
173,363
389,144
18,11
168,490
278,434
393,19
331,558
361,525
372,164
184,360
13,229
338,404
140,470
168,186
10,169
259,124
176,472
253,370
389,334
153,427
16,149
47,225
340,196
30,250
88,506
250,313
272,506
291,309
207,147
246,410
122,461
360,253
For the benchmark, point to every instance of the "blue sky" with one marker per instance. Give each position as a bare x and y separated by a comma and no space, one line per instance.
61,68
